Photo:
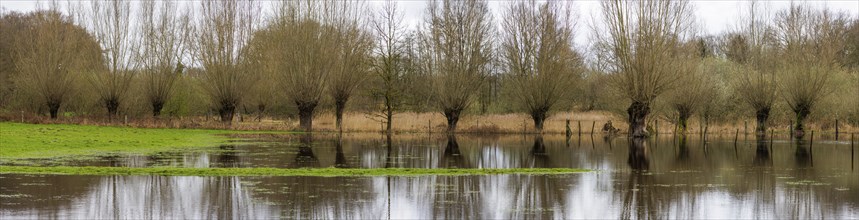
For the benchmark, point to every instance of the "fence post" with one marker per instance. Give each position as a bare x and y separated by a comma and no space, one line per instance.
580,128
790,128
593,125
569,132
836,129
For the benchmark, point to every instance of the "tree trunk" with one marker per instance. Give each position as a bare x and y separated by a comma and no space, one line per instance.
452,116
638,159
54,108
683,115
389,116
339,106
763,115
261,109
638,112
539,116
802,111
227,111
112,105
305,114
156,108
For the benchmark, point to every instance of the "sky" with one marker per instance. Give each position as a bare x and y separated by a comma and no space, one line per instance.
713,16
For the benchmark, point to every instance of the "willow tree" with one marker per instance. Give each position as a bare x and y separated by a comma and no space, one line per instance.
351,58
222,32
749,47
164,45
110,23
54,55
643,40
456,49
809,47
306,46
539,57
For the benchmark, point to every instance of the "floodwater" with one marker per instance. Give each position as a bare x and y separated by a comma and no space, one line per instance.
659,178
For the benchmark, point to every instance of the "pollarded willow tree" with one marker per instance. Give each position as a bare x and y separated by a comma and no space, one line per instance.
697,85
809,46
456,48
165,32
352,55
223,30
312,46
644,48
541,64
749,47
110,23
52,58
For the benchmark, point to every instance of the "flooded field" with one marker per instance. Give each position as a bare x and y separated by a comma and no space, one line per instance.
658,178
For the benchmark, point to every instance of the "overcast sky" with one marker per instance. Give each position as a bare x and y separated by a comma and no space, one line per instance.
714,16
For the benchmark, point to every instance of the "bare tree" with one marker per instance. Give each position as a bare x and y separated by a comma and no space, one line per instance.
750,48
456,49
643,40
110,23
51,60
222,32
389,62
352,54
538,53
809,46
165,32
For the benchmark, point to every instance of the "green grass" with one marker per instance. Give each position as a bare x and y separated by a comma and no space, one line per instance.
328,172
38,141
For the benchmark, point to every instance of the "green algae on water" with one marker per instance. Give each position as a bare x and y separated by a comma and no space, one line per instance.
41,141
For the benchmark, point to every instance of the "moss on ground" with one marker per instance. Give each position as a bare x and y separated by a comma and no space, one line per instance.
174,171
38,141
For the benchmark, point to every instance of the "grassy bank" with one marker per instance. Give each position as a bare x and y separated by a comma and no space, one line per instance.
34,141
168,171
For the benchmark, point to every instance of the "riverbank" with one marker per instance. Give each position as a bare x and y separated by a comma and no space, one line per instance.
586,123
40,141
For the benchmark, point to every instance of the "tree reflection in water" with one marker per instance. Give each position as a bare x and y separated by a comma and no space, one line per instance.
305,156
640,179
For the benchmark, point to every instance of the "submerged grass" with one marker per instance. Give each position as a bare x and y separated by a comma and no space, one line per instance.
37,141
325,172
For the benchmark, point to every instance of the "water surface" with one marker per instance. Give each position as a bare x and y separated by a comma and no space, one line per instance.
659,178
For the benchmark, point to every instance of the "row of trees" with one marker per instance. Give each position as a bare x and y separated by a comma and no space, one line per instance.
649,53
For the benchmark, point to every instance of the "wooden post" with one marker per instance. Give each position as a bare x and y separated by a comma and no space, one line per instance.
580,128
569,132
790,128
745,127
836,129
657,127
593,125
811,142
737,134
22,116
126,119
429,126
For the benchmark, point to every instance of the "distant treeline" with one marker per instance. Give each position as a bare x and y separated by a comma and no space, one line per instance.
645,60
